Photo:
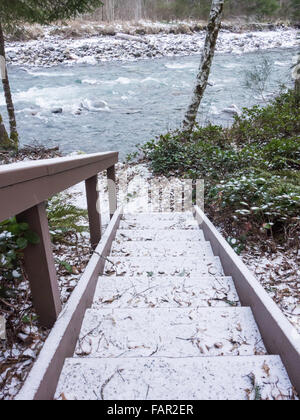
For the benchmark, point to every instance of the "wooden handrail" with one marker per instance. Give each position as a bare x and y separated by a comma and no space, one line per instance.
26,184
24,188
24,171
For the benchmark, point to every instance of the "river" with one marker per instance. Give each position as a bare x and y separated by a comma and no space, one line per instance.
114,106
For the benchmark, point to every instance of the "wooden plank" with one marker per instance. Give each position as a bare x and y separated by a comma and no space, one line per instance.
40,267
24,195
42,381
279,336
112,190
24,171
92,195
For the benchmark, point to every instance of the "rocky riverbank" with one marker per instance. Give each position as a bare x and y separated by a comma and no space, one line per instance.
57,45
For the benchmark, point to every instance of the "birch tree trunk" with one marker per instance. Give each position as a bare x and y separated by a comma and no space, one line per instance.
7,93
296,76
213,29
5,142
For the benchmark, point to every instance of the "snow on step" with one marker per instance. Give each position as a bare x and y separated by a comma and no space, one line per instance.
125,235
195,378
143,218
169,333
159,221
157,249
165,292
161,266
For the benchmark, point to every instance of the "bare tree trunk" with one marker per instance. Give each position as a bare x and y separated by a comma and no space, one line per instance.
7,92
138,10
296,76
213,29
110,10
5,141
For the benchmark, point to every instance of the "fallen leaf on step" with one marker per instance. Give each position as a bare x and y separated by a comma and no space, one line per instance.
218,345
110,273
113,299
239,328
266,368
75,270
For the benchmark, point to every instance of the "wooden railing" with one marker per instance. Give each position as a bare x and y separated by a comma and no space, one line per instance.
24,189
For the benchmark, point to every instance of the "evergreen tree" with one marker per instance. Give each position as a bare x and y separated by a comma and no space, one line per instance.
14,12
295,9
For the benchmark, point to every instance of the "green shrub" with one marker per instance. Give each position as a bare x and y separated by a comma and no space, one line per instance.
265,199
251,170
279,119
206,154
65,218
282,153
170,156
14,238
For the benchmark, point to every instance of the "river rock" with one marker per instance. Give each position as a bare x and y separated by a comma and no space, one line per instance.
127,37
53,50
96,105
233,109
57,111
12,55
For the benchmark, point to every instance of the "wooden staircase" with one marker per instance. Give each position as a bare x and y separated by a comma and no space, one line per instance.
167,324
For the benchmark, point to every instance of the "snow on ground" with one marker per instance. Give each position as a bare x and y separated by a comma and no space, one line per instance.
53,49
280,276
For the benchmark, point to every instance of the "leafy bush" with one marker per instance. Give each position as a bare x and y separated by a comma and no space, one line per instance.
14,238
65,218
265,199
280,119
282,153
173,154
251,170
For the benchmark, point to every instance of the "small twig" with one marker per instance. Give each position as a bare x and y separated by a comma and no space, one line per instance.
155,351
186,339
144,291
147,392
6,303
108,381
107,260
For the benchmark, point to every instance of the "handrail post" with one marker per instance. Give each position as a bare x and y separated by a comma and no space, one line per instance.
92,196
112,190
40,267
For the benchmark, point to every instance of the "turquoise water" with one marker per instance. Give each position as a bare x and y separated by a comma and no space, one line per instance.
114,106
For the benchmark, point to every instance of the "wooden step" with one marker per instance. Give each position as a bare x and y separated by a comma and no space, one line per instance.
161,266
165,292
172,332
192,378
162,249
168,221
161,235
